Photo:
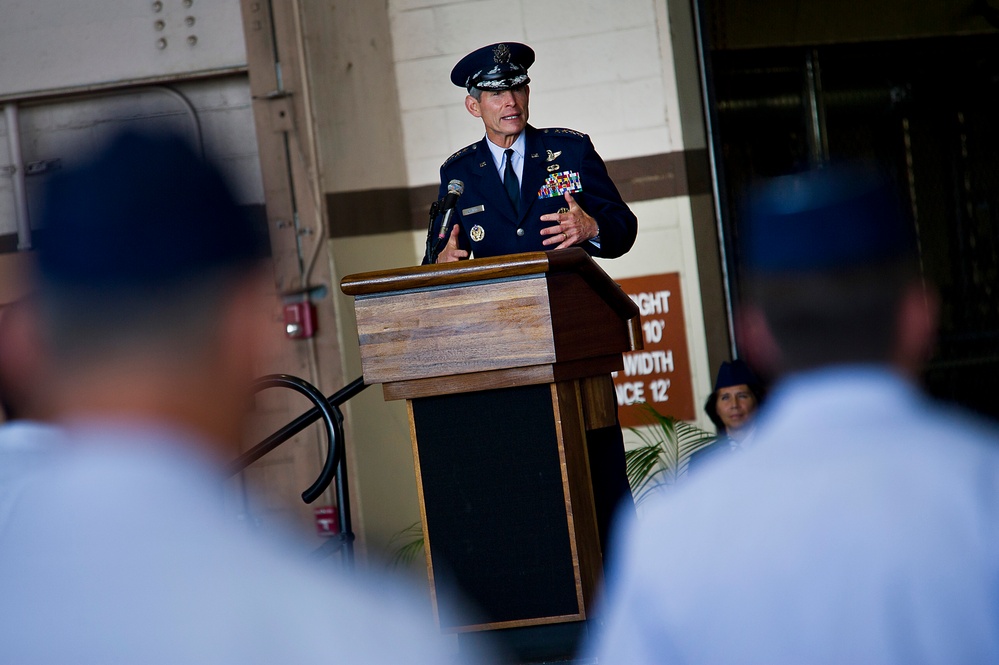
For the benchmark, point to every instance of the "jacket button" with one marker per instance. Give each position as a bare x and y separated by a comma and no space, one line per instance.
520,232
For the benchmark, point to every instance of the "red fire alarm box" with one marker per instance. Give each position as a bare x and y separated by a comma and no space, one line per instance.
300,320
327,521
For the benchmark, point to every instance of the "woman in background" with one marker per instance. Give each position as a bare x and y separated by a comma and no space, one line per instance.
732,408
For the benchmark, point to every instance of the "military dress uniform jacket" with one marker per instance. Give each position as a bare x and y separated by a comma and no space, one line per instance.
555,161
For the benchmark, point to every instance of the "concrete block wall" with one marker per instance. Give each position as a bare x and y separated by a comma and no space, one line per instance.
599,69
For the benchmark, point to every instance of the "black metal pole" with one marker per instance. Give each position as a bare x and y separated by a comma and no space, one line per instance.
345,539
343,509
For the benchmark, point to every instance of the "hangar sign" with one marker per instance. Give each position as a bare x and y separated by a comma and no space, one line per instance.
659,374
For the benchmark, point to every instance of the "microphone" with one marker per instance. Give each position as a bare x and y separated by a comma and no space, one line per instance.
455,188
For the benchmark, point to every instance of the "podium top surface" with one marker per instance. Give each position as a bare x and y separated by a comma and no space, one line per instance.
509,319
573,260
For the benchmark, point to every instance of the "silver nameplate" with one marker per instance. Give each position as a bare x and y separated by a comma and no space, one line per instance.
472,210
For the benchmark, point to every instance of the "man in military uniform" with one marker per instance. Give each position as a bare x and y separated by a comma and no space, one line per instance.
525,189
528,190
150,303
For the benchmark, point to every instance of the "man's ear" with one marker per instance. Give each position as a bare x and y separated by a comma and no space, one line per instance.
472,106
248,339
22,360
757,342
916,328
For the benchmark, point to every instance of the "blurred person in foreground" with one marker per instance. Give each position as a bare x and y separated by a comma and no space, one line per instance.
732,407
150,307
863,525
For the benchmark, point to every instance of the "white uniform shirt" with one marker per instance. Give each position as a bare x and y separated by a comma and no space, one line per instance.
861,527
123,555
25,448
517,159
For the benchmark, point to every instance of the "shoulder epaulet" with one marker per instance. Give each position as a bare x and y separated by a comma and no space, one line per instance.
464,151
562,131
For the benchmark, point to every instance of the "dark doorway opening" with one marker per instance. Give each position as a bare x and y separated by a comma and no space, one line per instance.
926,110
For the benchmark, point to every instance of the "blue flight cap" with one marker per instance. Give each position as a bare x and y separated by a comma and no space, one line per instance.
495,67
145,212
735,373
840,216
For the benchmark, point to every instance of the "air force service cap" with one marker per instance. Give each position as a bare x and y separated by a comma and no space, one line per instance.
145,212
494,68
838,217
735,373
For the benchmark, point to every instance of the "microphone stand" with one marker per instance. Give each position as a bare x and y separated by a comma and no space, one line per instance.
433,243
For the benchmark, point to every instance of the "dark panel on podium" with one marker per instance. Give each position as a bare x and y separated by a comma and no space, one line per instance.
495,503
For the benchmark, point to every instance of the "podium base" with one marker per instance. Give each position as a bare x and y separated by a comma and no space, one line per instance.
500,517
554,643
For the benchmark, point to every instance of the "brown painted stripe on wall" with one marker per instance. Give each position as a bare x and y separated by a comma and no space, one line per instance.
374,211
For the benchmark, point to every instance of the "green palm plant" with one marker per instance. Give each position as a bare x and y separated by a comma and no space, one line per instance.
661,458
407,545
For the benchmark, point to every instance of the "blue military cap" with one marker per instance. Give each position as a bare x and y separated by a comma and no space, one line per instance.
146,211
839,216
735,373
495,67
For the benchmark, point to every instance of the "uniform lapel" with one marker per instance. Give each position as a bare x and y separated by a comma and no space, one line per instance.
534,170
490,186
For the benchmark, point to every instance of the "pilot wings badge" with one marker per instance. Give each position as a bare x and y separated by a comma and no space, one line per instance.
552,156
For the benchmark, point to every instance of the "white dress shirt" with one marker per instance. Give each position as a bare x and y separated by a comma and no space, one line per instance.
499,157
861,527
26,447
123,554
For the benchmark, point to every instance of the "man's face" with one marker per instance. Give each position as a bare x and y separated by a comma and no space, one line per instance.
503,113
735,406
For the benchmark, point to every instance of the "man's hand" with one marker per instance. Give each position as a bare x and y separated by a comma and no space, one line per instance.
451,251
572,228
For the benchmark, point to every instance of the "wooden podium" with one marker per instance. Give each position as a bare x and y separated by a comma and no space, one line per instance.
505,365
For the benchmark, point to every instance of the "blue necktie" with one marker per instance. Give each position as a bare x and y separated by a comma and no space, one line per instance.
510,181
